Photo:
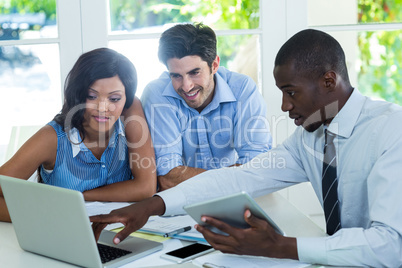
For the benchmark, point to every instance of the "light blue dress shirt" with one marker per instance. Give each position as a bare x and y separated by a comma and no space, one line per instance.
78,169
369,154
231,129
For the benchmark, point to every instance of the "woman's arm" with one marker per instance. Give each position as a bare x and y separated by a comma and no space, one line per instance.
142,162
41,148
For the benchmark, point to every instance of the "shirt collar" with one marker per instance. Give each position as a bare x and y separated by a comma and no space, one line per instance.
76,142
223,93
345,121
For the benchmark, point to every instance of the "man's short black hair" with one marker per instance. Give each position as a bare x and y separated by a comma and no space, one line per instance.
188,40
313,53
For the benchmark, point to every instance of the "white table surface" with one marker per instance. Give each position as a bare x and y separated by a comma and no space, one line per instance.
290,219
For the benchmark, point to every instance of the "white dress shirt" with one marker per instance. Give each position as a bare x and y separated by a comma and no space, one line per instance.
369,155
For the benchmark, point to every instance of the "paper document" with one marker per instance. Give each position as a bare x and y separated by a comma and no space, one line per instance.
222,260
162,225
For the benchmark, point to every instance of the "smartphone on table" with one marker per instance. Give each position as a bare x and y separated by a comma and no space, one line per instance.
187,253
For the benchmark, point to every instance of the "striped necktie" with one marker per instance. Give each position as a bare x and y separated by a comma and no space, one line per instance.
330,185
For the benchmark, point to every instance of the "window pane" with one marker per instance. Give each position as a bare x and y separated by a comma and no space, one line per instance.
127,15
380,11
240,53
380,64
28,19
144,55
353,12
29,86
373,60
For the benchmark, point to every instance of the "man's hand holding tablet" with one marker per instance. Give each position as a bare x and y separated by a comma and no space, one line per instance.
229,209
236,224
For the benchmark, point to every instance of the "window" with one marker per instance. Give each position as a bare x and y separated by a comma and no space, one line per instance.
29,65
370,32
133,16
135,28
56,32
41,40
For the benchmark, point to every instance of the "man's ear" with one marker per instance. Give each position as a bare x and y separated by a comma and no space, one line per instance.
330,80
215,65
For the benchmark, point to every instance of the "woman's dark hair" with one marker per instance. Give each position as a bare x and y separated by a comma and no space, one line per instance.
188,40
91,66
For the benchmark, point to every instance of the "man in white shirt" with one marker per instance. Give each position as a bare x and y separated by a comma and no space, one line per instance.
310,71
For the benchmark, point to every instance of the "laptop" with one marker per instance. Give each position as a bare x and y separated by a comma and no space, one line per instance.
53,222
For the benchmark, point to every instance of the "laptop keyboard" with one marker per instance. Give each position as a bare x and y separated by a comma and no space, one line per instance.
108,253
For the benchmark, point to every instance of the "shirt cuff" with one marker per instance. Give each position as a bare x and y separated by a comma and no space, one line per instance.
174,200
166,163
312,249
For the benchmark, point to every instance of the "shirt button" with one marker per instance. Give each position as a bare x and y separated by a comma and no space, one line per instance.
103,166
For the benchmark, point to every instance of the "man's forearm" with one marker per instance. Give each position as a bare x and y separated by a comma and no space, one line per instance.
177,175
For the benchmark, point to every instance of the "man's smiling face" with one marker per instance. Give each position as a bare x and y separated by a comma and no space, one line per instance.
193,80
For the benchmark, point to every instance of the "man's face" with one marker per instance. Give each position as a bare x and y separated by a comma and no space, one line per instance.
304,98
193,80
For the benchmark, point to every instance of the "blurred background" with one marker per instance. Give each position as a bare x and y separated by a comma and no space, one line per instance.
41,39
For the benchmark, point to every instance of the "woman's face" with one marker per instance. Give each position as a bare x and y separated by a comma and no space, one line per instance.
105,103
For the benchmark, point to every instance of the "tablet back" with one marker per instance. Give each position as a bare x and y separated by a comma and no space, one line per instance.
229,209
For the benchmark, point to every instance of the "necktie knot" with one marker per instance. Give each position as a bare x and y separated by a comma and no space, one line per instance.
329,137
329,149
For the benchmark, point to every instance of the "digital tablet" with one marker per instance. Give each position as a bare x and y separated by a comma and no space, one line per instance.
229,209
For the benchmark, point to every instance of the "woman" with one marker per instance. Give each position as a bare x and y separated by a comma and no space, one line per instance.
85,147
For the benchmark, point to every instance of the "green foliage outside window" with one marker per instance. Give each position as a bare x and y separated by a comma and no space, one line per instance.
218,14
380,72
130,15
29,7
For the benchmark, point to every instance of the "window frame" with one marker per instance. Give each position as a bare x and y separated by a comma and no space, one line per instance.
279,20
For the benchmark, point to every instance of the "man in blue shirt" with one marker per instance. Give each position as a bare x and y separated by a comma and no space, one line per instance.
201,116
